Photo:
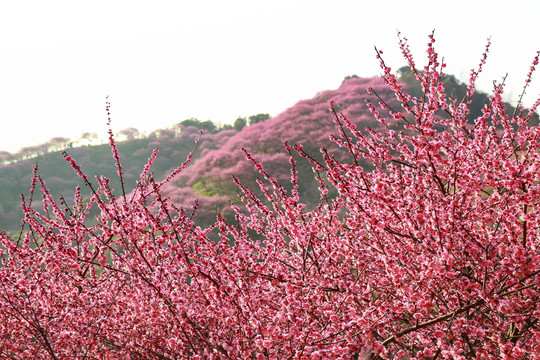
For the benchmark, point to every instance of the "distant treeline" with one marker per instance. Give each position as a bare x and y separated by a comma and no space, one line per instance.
57,144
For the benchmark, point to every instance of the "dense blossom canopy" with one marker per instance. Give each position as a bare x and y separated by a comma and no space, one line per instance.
424,244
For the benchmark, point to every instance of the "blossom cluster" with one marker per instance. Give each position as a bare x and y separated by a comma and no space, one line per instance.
425,244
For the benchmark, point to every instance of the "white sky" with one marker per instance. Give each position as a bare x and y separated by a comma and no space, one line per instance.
164,61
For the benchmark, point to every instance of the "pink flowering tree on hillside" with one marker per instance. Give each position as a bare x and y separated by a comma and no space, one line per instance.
428,249
307,123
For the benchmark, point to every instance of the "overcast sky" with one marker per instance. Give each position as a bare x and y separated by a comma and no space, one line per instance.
161,62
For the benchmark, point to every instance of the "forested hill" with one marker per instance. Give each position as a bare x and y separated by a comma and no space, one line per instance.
217,159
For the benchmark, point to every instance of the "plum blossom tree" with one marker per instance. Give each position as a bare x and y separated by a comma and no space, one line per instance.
87,138
5,157
130,133
429,248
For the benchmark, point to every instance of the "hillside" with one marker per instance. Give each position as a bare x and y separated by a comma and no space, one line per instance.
219,156
15,179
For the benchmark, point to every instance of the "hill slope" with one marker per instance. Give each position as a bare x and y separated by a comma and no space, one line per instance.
219,156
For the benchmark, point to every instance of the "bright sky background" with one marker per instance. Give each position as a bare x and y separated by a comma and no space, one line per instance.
164,61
